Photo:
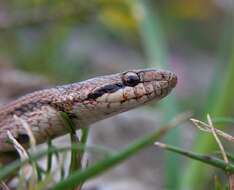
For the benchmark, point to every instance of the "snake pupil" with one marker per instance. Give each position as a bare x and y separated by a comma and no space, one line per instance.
131,79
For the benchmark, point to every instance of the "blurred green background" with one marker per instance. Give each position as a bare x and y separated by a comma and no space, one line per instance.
69,41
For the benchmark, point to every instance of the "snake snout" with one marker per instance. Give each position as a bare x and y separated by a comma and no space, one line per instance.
173,80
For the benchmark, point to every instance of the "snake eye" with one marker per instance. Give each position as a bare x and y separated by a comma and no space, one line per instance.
131,79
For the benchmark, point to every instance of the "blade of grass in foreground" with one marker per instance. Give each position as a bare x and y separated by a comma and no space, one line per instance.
7,170
216,162
101,166
79,177
223,120
75,163
154,46
111,160
76,155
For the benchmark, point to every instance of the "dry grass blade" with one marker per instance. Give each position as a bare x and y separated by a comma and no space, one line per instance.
3,186
217,139
26,126
30,172
25,171
19,148
206,128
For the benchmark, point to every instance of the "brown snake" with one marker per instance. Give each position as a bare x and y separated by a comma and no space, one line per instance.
85,102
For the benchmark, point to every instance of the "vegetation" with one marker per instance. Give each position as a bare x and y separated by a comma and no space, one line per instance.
67,41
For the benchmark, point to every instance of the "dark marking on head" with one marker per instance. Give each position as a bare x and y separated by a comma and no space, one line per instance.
110,88
22,138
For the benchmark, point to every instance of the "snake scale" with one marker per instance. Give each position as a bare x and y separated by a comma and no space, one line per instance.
85,103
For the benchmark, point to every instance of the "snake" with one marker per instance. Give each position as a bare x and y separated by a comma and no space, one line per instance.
84,102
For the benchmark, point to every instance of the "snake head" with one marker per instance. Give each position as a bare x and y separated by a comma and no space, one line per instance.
108,95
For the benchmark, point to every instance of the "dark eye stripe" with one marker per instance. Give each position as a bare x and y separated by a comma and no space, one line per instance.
110,88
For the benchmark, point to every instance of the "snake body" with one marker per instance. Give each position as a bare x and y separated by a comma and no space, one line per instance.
85,103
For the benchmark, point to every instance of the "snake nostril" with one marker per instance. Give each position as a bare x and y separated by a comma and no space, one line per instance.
173,80
163,84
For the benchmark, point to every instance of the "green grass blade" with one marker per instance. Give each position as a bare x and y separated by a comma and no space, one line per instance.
84,138
223,120
75,163
49,157
80,177
218,163
230,157
7,170
217,184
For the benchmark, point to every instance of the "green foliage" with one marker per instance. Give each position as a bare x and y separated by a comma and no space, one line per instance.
98,168
213,161
217,184
37,35
77,177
